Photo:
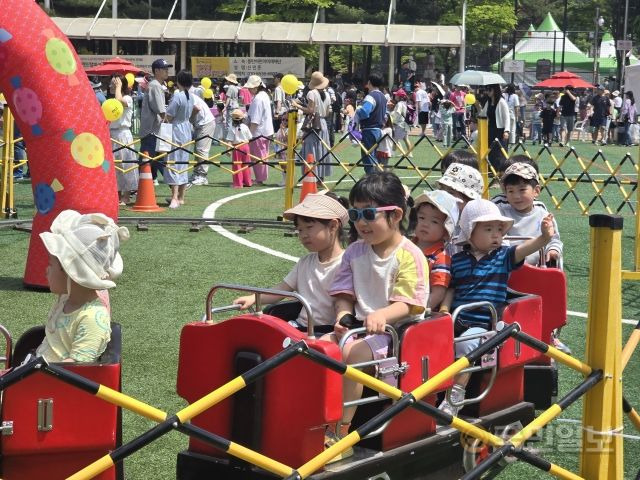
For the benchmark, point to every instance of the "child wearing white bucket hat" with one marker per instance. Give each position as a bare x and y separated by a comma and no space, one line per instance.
480,273
83,259
437,215
463,182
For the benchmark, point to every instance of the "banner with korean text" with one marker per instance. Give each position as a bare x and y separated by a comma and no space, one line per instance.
265,67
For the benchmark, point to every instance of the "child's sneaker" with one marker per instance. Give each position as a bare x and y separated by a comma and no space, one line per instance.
199,180
331,438
555,341
455,395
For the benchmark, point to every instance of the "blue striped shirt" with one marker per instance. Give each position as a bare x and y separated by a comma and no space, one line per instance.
481,280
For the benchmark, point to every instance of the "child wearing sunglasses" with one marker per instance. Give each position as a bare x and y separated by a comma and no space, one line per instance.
383,277
319,219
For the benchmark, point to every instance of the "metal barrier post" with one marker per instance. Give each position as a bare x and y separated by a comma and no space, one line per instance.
292,133
6,182
636,264
483,152
602,448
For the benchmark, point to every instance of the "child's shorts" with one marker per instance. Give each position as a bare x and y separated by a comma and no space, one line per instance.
380,344
463,348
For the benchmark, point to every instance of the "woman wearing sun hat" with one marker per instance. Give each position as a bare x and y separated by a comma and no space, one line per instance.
231,98
261,126
318,105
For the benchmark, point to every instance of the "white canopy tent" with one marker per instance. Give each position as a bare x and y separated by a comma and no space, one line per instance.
183,31
266,32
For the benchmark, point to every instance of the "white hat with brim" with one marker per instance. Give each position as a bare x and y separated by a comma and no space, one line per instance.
254,81
477,211
87,247
318,80
445,203
464,179
232,78
318,205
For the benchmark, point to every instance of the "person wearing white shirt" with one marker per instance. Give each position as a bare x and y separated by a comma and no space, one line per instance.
261,126
120,131
204,126
422,105
513,103
497,112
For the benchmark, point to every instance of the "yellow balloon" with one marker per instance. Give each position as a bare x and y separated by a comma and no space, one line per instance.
208,93
205,82
112,109
469,99
169,84
289,84
130,79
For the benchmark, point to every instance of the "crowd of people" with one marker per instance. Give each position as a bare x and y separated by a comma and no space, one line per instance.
251,117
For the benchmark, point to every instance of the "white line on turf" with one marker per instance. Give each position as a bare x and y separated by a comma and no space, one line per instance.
584,315
210,213
575,421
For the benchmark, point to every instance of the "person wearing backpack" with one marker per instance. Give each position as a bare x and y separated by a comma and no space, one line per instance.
402,119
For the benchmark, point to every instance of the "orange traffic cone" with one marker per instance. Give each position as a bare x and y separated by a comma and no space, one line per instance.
146,197
309,182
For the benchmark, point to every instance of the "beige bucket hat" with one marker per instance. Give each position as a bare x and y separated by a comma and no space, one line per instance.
318,205
318,80
87,247
254,81
231,78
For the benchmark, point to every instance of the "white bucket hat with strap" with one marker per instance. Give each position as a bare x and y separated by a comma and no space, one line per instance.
87,247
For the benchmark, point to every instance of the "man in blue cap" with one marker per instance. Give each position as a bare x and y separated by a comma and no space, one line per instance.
152,114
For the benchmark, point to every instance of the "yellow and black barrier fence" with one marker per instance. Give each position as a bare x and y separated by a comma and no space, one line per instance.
8,164
180,420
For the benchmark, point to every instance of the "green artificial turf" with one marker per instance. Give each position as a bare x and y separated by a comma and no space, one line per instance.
168,272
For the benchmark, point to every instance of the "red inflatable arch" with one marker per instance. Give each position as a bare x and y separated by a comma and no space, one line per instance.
66,134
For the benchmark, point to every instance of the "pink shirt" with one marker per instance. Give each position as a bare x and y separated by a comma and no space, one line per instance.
457,98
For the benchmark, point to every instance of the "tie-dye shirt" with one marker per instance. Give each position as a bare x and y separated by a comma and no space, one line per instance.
81,335
375,282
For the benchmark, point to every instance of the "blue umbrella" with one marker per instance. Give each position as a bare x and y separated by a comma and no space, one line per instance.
477,77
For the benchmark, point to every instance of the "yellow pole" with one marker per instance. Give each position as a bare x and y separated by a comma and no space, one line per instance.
602,449
10,207
6,139
292,134
637,239
483,152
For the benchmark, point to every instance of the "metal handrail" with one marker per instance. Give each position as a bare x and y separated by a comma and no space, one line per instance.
8,345
257,291
395,344
494,369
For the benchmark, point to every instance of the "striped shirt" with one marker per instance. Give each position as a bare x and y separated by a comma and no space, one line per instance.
480,280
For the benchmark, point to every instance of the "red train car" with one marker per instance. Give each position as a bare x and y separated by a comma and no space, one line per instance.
51,429
284,414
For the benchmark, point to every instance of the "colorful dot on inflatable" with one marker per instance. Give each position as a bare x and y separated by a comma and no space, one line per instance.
28,105
64,129
87,150
60,57
45,195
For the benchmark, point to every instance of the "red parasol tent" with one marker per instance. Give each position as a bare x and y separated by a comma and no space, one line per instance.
562,79
113,66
